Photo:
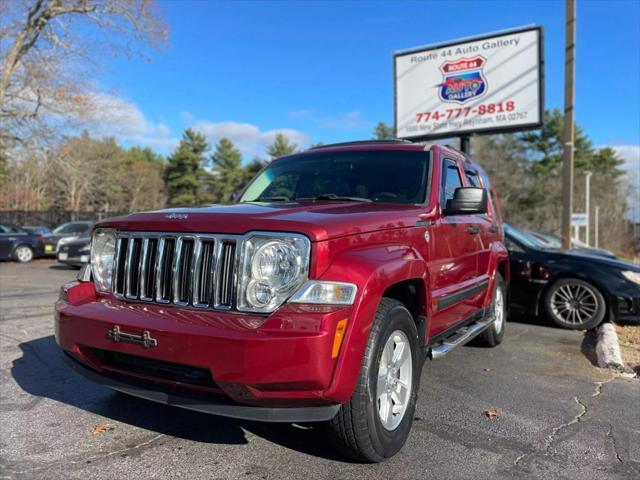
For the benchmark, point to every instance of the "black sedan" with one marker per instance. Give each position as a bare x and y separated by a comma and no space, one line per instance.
75,253
18,244
577,290
65,233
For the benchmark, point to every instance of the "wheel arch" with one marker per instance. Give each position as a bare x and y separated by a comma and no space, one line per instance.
399,273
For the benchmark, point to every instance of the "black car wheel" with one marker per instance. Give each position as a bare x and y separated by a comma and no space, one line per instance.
575,304
23,254
376,422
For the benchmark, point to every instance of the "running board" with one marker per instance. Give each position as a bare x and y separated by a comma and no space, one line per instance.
460,337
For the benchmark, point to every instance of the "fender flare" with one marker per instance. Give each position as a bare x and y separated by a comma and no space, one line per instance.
373,269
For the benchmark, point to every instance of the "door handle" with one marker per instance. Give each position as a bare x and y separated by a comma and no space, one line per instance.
473,230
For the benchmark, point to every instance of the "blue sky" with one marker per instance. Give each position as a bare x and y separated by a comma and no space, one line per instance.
322,71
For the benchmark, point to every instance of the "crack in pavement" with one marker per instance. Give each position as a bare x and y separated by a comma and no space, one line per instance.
551,438
614,443
88,459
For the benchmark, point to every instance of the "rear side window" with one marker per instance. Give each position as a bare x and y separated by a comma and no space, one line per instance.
450,180
9,229
472,177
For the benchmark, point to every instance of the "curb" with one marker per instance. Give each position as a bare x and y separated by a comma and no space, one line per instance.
608,348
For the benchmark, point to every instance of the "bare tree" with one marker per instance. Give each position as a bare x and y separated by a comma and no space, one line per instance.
49,48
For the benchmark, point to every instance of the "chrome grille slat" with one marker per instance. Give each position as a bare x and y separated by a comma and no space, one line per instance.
194,270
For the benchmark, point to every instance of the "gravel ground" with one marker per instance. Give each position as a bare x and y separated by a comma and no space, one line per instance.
559,416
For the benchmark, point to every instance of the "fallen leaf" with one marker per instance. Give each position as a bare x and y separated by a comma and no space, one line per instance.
101,427
492,413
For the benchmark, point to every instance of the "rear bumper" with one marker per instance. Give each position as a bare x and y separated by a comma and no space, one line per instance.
199,403
283,361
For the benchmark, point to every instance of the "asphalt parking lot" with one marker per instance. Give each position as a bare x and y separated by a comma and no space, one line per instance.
559,416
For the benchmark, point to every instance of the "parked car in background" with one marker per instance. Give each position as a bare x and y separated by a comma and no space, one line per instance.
75,253
66,232
18,244
316,298
555,241
37,229
577,290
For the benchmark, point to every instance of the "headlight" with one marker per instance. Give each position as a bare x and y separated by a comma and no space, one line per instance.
273,267
65,240
632,276
103,247
326,293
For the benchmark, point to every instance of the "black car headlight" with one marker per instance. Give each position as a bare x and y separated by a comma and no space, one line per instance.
103,247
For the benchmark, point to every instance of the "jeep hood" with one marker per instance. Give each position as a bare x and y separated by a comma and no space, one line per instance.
317,220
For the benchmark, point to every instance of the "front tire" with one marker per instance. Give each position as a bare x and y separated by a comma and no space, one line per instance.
575,304
375,423
23,254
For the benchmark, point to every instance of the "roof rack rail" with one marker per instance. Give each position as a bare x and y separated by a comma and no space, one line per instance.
364,142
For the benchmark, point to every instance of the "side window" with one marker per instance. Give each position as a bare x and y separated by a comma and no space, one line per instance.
492,201
450,180
9,229
472,177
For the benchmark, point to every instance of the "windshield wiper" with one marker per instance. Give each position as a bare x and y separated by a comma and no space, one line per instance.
272,199
333,196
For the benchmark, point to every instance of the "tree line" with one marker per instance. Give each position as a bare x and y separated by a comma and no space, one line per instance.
84,173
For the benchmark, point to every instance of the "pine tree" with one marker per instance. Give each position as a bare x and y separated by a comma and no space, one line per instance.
228,174
185,170
383,132
281,146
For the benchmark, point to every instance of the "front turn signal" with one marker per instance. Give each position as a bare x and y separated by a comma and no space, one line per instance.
339,335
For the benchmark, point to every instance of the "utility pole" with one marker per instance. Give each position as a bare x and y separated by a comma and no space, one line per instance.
465,144
568,136
587,198
597,222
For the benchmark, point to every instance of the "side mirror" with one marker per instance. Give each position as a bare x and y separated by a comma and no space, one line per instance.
467,201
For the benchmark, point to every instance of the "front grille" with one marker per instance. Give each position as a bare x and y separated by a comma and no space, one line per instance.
176,372
180,269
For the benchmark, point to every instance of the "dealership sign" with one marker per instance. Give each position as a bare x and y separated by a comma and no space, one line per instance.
486,84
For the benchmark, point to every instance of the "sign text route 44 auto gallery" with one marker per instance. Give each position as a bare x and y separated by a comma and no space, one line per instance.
486,84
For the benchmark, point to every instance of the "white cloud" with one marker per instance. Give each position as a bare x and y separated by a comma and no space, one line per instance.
249,138
124,120
631,156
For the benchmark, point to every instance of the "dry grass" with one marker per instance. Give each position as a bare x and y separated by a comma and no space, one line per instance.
629,338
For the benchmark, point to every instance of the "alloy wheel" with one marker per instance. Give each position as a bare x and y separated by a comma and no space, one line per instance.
498,311
393,391
24,254
574,304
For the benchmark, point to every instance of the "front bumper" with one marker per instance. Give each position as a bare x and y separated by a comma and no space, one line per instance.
626,308
284,362
199,403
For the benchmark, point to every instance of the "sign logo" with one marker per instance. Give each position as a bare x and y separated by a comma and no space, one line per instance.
463,80
176,216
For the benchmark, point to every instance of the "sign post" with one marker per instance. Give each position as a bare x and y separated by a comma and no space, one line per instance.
488,84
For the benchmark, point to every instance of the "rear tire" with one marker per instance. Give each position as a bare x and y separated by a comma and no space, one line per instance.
493,335
23,254
375,423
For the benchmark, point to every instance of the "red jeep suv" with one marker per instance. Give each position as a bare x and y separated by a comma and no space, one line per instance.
316,297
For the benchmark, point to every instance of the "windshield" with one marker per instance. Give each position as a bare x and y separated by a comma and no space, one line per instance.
72,228
392,176
524,238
